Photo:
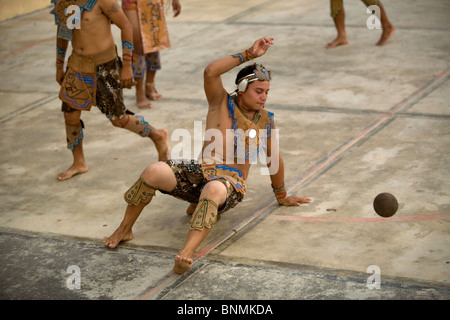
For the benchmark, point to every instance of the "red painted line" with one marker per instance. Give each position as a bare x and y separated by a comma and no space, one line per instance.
442,74
27,47
359,220
169,278
204,251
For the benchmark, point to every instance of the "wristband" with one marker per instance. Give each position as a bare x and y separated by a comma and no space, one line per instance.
127,52
280,193
239,55
244,56
59,64
248,55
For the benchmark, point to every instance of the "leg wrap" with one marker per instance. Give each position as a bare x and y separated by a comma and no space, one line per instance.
370,2
142,61
336,7
205,215
74,135
139,192
139,65
138,125
153,61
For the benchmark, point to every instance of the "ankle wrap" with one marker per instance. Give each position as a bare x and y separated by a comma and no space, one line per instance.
74,135
138,125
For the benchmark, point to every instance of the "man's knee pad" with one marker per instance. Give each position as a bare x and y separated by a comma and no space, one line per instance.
139,192
205,215
74,135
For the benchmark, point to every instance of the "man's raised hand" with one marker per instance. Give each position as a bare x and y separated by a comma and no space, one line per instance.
260,46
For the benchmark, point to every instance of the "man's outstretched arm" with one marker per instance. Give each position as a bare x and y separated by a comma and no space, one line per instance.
276,169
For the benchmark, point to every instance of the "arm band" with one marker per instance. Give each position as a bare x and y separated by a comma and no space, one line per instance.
127,52
244,56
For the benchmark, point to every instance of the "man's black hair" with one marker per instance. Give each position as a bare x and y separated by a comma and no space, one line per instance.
245,72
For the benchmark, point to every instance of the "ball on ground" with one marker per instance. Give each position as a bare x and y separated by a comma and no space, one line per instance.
385,204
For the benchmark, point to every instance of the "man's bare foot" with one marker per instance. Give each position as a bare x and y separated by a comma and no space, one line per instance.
144,104
386,35
161,140
339,41
151,92
118,236
72,171
142,101
182,264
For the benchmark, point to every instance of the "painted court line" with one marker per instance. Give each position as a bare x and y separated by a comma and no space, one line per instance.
166,280
27,47
314,171
401,106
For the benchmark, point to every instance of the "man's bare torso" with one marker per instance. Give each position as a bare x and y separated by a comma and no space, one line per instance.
220,120
95,34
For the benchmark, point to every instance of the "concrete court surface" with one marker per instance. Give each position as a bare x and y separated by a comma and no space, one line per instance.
354,121
12,9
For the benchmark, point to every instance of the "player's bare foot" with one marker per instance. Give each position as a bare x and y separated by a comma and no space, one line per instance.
118,236
339,41
143,103
72,171
151,92
182,264
386,35
141,97
160,138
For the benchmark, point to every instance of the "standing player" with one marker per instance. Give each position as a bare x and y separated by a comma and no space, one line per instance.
95,75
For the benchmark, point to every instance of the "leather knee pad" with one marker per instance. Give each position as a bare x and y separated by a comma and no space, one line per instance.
139,192
205,215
